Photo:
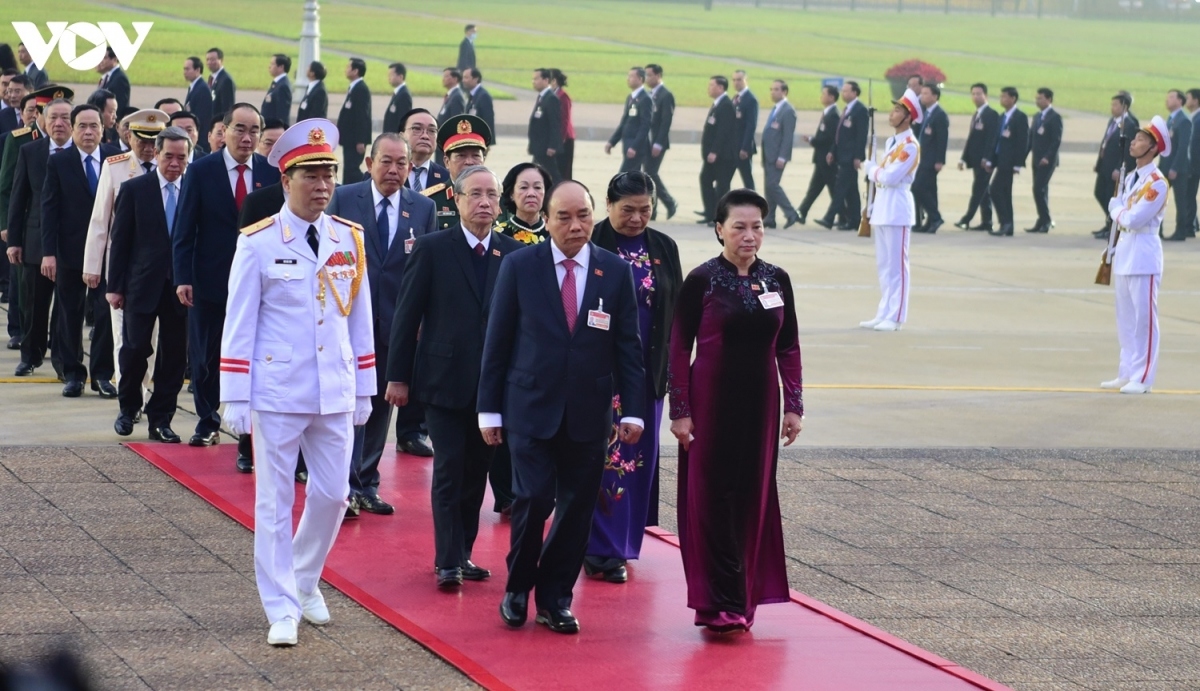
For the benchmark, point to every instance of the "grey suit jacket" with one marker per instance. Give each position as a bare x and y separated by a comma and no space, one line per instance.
777,137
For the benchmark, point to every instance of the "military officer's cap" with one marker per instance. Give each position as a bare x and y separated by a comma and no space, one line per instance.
910,101
47,94
307,143
462,131
146,123
1158,130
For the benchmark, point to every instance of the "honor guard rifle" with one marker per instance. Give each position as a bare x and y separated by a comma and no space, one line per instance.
864,227
1104,274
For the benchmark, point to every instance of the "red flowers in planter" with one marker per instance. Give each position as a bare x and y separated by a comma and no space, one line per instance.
929,72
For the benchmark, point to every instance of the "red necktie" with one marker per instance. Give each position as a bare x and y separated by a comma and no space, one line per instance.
239,190
100,83
570,306
210,81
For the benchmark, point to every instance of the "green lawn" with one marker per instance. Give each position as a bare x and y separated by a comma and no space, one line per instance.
1074,57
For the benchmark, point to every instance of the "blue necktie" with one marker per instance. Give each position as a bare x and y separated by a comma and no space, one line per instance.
171,202
93,180
771,117
381,224
1000,137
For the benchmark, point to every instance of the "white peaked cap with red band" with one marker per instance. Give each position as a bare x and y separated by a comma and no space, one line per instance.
909,100
1161,133
306,143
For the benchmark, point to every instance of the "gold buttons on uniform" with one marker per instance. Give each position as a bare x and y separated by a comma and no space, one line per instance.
268,358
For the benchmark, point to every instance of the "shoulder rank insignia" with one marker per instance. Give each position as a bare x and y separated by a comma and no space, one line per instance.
343,221
119,157
21,132
430,191
265,223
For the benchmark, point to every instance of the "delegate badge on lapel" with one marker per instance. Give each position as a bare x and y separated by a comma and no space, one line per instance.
1041,130
1006,134
598,318
304,103
538,112
769,299
712,119
408,243
633,111
979,125
346,104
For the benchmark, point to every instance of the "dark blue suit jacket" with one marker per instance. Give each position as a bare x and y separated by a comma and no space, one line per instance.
199,102
633,132
10,120
747,115
384,270
206,224
139,263
67,205
1179,161
934,137
850,140
480,105
540,376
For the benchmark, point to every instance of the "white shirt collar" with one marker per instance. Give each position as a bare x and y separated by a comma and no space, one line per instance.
398,88
472,241
378,196
931,108
743,91
581,258
655,89
95,157
109,73
231,163
828,108
718,99
1008,113
353,83
276,80
70,143
193,82
546,91
311,85
219,70
162,182
980,108
781,102
637,91
1047,109
850,105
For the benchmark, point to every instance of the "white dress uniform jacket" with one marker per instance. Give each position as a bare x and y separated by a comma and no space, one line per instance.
1139,213
116,170
295,339
893,177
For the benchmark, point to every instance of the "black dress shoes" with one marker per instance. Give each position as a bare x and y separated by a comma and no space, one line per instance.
671,209
1101,234
375,505
1005,230
933,227
415,446
770,226
449,578
792,221
124,425
205,439
611,570
352,509
471,572
245,464
982,226
846,226
704,222
164,434
824,224
514,608
73,389
1176,237
24,369
105,388
137,417
558,620
14,343
964,224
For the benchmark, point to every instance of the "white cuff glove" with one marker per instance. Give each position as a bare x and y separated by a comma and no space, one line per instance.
362,410
237,417
1114,205
869,167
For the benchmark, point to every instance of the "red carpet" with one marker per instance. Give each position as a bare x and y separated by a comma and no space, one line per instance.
636,636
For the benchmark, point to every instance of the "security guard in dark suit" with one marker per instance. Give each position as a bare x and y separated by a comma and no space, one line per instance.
718,148
981,143
1193,187
933,136
401,101
315,103
1177,166
848,152
1113,155
824,172
354,122
745,105
277,104
451,134
545,125
1008,158
660,135
1045,136
633,132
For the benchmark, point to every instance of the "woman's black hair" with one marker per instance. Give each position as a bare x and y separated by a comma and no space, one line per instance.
510,185
631,184
742,197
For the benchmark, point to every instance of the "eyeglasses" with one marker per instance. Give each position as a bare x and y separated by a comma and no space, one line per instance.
477,195
417,129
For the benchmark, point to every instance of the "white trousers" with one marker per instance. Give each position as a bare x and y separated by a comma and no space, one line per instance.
285,565
1137,326
118,320
891,260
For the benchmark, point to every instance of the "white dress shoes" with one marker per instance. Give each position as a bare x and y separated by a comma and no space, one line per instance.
1134,387
283,632
869,324
1114,383
887,325
313,608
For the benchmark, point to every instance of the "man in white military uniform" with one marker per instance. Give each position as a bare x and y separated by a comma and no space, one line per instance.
144,126
1137,260
298,367
893,213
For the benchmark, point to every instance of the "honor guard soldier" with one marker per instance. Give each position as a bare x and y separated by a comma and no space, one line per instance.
298,365
463,139
893,213
1137,259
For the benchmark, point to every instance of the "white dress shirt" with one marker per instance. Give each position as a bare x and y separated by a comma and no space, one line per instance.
231,166
393,210
311,85
474,241
162,187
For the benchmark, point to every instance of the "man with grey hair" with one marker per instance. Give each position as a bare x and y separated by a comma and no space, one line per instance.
392,217
446,294
140,283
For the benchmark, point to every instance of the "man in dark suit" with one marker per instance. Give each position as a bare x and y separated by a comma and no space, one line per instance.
466,49
981,144
562,339
824,173
455,101
67,198
204,238
633,132
354,121
199,99
1007,159
37,76
663,103
421,130
718,148
1177,167
277,104
777,137
934,136
445,294
1045,137
222,86
14,91
315,103
113,78
401,101
745,104
847,153
392,217
139,282
545,124
1114,154
25,230
1193,187
479,100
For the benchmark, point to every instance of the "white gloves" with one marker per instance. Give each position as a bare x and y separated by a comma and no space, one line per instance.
237,417
1115,205
868,167
362,410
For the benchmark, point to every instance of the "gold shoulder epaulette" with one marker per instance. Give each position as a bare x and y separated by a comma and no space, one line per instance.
343,221
119,157
252,229
21,132
430,191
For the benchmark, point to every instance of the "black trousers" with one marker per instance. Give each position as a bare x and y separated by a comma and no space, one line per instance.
500,478
776,197
1001,191
925,194
630,165
746,168
37,293
651,166
14,300
103,354
714,184
550,163
71,294
1193,188
1104,190
1183,205
981,199
845,196
556,475
566,160
823,177
1041,190
170,358
364,466
206,321
351,162
460,468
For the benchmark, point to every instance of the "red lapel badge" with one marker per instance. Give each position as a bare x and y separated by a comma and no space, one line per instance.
599,272
496,253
